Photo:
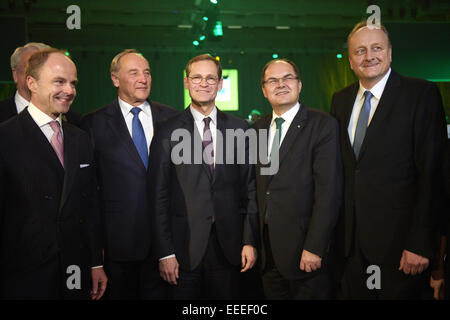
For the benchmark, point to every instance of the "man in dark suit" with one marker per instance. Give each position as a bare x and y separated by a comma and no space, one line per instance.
299,201
205,211
121,154
14,105
50,245
392,132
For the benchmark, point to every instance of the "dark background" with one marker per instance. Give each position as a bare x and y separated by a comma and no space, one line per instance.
419,31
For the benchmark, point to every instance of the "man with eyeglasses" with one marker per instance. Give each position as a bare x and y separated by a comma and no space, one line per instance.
299,204
205,212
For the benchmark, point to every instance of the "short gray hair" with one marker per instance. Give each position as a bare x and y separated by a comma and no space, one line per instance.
15,57
115,63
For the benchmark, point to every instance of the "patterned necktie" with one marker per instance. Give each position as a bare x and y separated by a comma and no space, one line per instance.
208,143
138,135
361,126
57,141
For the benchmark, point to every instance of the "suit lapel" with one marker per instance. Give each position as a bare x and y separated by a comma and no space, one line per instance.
37,143
294,129
119,128
383,110
220,150
349,101
70,162
188,123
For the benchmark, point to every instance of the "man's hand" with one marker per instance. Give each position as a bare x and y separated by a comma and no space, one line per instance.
438,286
99,281
310,262
412,263
168,270
248,256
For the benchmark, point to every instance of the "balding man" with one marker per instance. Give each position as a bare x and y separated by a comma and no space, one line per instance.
14,105
392,131
121,133
50,243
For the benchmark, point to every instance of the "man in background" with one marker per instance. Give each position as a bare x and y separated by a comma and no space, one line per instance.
14,105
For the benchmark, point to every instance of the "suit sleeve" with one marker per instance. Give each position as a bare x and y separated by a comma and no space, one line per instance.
248,201
429,145
159,182
327,175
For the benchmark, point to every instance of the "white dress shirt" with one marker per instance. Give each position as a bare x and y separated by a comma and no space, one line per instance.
21,102
43,121
145,116
288,117
377,91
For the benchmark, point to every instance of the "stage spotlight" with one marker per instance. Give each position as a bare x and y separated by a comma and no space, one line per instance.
275,55
339,56
195,43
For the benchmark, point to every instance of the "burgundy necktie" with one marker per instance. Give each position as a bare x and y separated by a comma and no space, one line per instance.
208,143
57,141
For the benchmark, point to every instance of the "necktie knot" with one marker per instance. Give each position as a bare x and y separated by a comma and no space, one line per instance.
368,95
279,121
55,126
135,111
207,120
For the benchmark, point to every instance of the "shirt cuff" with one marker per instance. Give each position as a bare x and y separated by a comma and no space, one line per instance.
167,257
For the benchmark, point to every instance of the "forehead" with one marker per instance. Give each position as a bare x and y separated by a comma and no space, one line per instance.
59,65
279,68
203,67
133,61
366,36
26,54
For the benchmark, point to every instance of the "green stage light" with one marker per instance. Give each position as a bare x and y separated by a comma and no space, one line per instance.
202,37
275,56
218,32
339,56
67,53
213,1
205,18
195,43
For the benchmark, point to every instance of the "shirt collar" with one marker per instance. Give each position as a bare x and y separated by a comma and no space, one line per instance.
198,116
126,107
288,116
40,117
18,99
377,90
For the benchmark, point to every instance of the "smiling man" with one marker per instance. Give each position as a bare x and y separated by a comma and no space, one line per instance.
299,204
392,131
121,133
50,224
205,214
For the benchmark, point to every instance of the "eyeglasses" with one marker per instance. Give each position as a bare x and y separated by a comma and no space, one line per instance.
198,80
274,81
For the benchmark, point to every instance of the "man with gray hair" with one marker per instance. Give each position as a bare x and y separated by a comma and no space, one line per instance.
121,133
14,105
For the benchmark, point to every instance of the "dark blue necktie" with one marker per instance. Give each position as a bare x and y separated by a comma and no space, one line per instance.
361,126
138,135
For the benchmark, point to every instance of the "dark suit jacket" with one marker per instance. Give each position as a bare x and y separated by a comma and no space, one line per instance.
391,189
303,198
46,210
8,110
122,180
185,196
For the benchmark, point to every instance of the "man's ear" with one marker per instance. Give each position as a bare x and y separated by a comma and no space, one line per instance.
115,79
14,74
32,84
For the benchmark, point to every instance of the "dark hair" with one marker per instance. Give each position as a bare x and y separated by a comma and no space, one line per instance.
294,66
